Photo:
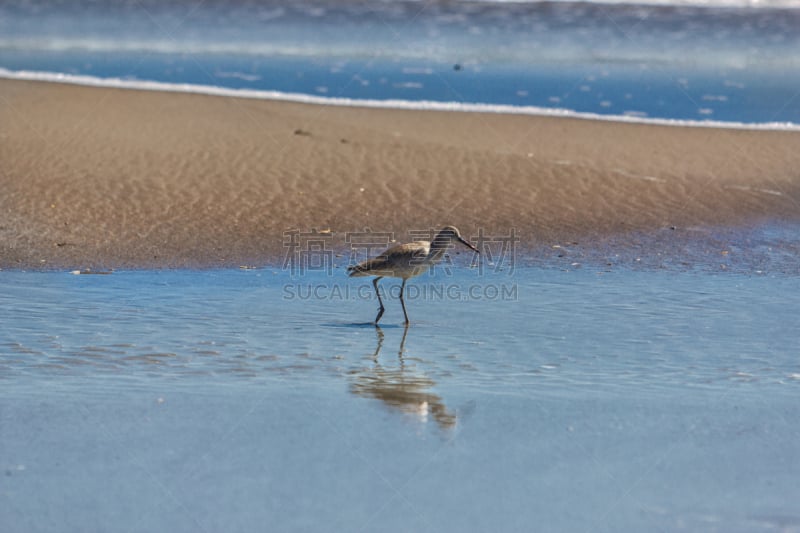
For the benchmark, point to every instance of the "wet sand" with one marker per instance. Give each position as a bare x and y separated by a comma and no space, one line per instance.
105,178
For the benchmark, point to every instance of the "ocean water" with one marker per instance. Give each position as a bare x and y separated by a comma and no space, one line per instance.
695,61
562,399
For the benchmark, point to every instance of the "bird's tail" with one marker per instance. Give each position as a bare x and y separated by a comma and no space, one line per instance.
356,270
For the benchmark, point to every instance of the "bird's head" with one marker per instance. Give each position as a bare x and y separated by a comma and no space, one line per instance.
448,234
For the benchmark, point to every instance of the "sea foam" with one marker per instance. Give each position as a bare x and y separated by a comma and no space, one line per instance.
424,105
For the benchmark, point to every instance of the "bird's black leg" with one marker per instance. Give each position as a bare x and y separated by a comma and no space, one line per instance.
402,302
380,311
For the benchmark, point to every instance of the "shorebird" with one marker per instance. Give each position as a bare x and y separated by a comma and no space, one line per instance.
406,261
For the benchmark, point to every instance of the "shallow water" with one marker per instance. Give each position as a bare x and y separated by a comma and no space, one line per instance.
573,400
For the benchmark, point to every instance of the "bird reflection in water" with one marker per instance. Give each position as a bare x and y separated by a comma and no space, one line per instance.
402,388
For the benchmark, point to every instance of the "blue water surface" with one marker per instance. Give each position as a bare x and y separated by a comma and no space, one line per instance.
693,63
574,400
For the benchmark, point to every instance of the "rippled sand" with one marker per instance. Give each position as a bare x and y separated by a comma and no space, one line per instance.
103,178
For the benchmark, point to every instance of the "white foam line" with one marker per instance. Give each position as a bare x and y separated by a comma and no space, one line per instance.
424,105
627,174
754,189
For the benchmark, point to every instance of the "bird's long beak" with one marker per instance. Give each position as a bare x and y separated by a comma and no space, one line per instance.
468,245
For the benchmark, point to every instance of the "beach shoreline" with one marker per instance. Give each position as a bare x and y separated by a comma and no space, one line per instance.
99,178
